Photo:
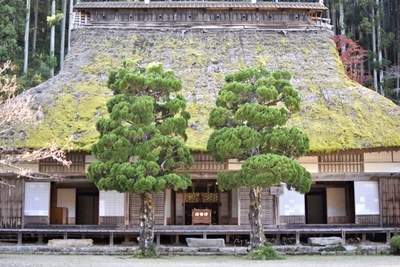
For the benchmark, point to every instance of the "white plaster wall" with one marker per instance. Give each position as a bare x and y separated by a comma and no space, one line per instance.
291,203
336,201
378,156
382,162
396,155
112,203
382,167
234,165
310,163
366,197
66,198
37,198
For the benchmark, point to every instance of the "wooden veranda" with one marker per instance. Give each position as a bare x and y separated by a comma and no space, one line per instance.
204,231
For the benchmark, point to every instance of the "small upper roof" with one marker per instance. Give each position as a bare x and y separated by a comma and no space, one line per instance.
202,4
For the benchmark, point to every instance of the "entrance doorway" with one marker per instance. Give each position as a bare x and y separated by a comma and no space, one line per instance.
202,195
87,206
316,206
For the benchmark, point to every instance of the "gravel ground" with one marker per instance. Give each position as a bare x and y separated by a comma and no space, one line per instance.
23,260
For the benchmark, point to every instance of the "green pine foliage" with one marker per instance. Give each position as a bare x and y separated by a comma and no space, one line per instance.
395,244
142,141
249,125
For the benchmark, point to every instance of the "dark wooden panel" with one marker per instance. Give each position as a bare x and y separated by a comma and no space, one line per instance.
390,201
268,207
368,220
159,208
36,220
293,219
112,220
11,203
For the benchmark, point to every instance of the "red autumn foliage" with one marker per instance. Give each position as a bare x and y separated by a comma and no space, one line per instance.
353,58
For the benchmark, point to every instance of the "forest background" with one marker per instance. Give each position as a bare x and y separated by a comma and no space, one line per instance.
34,36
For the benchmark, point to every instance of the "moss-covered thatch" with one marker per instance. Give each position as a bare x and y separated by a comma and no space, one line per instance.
337,113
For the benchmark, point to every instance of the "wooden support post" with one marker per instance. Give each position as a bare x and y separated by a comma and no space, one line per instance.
40,239
204,235
343,237
19,238
363,237
228,239
126,240
278,239
111,238
388,236
297,238
177,239
65,235
158,239
83,236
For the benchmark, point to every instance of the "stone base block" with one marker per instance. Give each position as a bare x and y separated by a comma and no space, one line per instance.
203,242
325,241
70,243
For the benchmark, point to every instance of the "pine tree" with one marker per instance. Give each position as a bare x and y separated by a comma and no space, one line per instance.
142,142
249,125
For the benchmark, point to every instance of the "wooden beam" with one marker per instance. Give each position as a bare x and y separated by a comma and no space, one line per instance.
321,177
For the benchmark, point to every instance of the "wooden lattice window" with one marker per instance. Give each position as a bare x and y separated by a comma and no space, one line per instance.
341,163
205,162
49,165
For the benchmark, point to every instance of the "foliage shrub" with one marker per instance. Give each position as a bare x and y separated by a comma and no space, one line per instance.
395,244
150,252
265,252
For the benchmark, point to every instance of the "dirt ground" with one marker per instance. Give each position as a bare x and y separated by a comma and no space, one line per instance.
23,260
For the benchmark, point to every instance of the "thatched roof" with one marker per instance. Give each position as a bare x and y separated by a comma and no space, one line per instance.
336,113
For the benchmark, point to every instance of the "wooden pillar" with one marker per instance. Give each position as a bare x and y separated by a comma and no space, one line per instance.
297,238
363,237
40,239
111,238
19,238
158,239
205,235
278,238
127,204
343,237
65,235
388,236
83,236
177,239
227,239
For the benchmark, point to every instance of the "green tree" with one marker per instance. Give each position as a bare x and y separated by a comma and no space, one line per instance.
11,29
142,142
249,125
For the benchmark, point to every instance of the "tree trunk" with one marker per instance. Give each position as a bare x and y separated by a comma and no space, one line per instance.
36,10
52,35
146,221
375,71
71,6
62,46
379,46
341,23
257,237
26,48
